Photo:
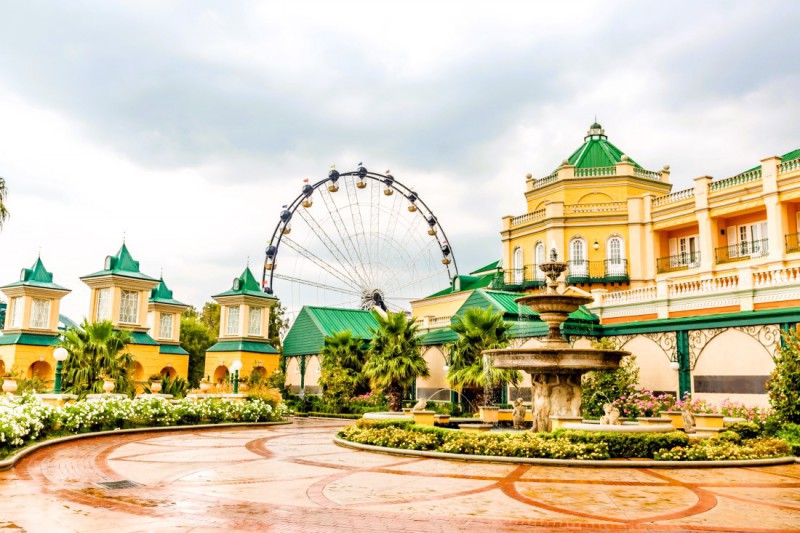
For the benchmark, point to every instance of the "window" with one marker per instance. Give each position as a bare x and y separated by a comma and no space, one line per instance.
615,251
538,254
40,314
255,321
129,307
233,321
518,268
748,240
578,265
165,325
16,312
683,252
103,309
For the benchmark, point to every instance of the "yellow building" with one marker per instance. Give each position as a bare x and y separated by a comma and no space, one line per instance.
30,331
697,283
243,331
121,293
164,319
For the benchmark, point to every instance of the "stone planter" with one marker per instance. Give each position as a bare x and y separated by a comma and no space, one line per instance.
108,385
442,420
676,417
407,411
707,421
9,385
558,421
205,386
489,415
155,387
423,418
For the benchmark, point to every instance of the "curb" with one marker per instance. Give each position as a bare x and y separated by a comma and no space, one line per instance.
11,461
605,463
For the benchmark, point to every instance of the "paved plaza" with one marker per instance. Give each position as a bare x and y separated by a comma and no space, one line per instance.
293,478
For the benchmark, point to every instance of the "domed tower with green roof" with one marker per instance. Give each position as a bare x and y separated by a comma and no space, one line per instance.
30,331
243,330
590,211
164,318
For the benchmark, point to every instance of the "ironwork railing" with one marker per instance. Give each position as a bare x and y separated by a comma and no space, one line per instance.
514,279
793,243
742,251
606,271
683,261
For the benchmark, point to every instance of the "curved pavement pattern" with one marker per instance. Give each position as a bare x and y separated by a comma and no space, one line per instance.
293,478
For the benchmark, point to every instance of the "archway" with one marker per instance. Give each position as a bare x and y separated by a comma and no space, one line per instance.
40,370
655,373
168,371
137,371
221,374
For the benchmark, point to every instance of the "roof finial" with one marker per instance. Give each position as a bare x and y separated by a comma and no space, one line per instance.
248,261
123,236
162,273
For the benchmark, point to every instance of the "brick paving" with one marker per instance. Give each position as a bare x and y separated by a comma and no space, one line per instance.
293,478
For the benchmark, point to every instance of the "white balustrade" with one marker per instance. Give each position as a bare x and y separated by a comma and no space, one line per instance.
772,278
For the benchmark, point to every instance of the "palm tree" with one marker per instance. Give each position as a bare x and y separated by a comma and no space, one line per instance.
97,351
470,372
3,210
394,357
345,352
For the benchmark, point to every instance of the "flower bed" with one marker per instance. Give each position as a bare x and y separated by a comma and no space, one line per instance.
562,444
26,419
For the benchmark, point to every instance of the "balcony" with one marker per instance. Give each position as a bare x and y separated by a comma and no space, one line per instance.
517,279
793,243
606,271
742,251
674,263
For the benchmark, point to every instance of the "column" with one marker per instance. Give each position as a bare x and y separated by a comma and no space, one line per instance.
684,371
776,220
707,251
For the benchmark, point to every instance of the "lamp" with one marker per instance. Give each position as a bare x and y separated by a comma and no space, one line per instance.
596,245
675,365
235,367
60,354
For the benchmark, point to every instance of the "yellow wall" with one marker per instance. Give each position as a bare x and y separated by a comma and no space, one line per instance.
153,362
442,306
19,357
249,360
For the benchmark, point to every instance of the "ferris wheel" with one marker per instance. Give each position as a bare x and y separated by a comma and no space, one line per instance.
357,240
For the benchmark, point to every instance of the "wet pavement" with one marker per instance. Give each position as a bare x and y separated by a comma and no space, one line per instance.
293,478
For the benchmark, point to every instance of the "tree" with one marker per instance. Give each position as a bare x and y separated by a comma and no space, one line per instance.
3,210
783,385
210,316
394,358
600,387
97,351
341,377
470,372
196,337
277,325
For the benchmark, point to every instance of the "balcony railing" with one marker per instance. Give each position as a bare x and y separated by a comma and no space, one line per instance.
514,279
607,271
742,251
793,243
683,261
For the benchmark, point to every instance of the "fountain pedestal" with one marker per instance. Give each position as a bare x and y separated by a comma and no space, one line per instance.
555,368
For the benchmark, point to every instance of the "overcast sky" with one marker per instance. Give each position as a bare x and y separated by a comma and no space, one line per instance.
186,125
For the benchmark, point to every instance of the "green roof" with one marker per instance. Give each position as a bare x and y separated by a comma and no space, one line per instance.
139,337
794,154
313,324
172,349
491,268
247,285
596,151
462,283
36,276
122,264
439,336
162,295
243,346
29,339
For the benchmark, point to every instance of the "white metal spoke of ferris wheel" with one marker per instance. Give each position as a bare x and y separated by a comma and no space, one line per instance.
376,242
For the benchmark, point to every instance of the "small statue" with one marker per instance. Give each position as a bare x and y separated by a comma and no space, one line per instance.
611,417
420,405
518,414
688,418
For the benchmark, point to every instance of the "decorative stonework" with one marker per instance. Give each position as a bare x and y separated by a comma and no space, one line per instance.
666,340
767,335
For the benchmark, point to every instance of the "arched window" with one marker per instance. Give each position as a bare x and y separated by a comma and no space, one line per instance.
518,267
615,256
578,265
538,254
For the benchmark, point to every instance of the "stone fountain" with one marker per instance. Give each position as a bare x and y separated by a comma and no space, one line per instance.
555,368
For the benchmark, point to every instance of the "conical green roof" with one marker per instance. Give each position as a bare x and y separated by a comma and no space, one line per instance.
596,151
246,284
36,276
122,264
162,295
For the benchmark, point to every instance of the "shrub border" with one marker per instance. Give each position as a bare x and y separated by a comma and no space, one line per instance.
607,463
11,461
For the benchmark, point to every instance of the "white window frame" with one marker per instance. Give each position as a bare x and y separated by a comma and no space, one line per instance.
17,305
166,324
232,316
40,313
539,259
254,319
579,265
103,305
518,266
129,299
616,258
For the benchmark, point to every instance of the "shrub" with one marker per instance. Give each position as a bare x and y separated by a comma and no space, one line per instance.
791,434
623,445
783,385
746,430
724,450
600,387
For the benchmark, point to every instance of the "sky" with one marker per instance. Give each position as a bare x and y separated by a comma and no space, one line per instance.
184,126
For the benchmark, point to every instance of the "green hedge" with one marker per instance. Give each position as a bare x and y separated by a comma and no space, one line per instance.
626,445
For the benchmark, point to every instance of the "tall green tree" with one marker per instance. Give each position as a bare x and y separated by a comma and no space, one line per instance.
602,386
394,358
97,351
277,325
210,316
341,377
196,337
783,385
3,195
470,372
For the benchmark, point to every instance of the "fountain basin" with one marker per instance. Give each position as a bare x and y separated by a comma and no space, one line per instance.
552,360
